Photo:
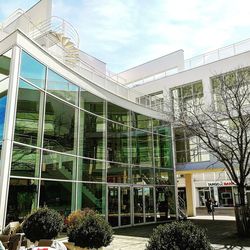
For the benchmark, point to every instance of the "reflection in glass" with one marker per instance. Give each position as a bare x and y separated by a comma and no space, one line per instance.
141,121
117,173
118,114
149,204
58,196
92,136
32,70
138,205
142,152
59,86
3,100
162,151
22,199
125,206
92,195
142,175
91,170
58,166
161,127
113,218
165,203
25,161
117,142
29,103
164,177
60,126
91,103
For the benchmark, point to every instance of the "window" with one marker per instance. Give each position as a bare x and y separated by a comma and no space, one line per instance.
32,70
189,148
187,97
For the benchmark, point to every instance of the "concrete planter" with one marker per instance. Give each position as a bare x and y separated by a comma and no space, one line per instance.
71,246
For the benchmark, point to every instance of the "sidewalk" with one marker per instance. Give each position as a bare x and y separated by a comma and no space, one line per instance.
221,233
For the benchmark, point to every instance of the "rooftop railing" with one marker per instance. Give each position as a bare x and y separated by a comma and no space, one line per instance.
209,57
108,81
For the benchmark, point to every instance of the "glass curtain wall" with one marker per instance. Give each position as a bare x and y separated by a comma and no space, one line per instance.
73,150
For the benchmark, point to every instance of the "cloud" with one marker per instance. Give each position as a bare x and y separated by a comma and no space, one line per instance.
126,33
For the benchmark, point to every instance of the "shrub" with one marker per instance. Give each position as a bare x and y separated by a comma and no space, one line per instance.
43,223
92,231
180,236
77,216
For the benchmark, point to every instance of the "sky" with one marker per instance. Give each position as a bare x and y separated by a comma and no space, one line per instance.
126,33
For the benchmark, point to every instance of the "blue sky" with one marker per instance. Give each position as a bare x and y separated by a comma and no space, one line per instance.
125,33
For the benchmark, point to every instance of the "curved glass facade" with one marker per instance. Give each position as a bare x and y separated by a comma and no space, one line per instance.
73,149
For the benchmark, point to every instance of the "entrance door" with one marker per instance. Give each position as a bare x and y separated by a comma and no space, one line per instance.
119,205
138,205
125,206
113,208
144,205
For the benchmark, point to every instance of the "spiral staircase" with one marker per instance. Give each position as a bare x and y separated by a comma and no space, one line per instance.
60,36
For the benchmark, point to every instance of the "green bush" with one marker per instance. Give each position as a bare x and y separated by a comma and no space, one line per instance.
92,231
179,236
44,223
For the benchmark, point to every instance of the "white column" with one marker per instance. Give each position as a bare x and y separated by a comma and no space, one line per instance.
8,133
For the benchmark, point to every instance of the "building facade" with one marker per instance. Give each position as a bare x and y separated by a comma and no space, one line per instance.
73,137
181,83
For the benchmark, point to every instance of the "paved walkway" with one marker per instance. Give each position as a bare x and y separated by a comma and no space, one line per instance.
221,233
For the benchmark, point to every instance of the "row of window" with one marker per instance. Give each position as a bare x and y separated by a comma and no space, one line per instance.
33,162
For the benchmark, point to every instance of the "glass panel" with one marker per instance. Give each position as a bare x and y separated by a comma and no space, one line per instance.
149,204
25,161
91,170
141,121
3,100
117,142
118,114
164,177
59,86
32,70
58,196
4,66
58,166
165,203
117,173
22,199
92,103
92,136
162,151
60,129
113,206
141,147
143,175
29,105
92,195
161,127
125,206
138,205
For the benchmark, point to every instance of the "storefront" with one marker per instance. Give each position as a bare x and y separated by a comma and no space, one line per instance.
223,192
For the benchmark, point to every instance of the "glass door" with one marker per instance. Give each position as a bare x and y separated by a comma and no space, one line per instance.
113,210
138,205
149,204
125,210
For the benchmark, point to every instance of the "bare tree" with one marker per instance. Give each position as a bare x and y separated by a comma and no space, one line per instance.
223,128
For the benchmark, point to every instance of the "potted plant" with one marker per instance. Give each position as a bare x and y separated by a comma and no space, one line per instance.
43,223
89,230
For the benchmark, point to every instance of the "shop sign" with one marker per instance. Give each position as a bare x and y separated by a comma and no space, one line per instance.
220,183
215,184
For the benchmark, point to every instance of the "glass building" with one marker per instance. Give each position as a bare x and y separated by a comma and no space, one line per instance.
68,143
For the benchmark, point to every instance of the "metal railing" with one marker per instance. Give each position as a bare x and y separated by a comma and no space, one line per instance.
209,57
